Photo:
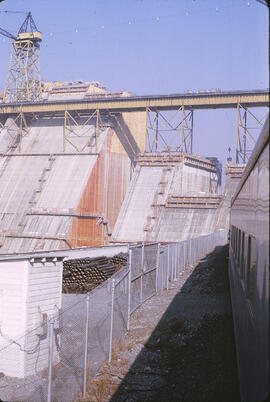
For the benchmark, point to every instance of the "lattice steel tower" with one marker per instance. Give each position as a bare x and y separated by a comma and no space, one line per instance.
23,82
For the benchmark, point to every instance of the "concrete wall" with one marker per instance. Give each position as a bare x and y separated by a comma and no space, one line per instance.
13,288
184,223
137,204
194,180
43,186
136,122
102,196
144,215
233,176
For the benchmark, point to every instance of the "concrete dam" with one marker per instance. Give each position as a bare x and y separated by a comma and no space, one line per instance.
86,178
170,198
93,192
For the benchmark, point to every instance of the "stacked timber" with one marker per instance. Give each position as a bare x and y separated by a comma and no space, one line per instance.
81,275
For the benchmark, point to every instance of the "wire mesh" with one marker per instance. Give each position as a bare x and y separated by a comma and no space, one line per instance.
136,292
136,261
149,271
99,326
81,345
150,256
120,316
68,352
26,357
149,284
161,275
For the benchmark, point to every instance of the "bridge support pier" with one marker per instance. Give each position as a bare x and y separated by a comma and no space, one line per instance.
247,123
170,131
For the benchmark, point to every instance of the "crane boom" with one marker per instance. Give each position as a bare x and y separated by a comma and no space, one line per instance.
28,30
7,34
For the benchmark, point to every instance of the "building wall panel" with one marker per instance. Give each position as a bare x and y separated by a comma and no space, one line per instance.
27,291
43,297
13,286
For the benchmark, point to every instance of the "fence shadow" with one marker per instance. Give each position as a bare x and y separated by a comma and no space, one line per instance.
190,355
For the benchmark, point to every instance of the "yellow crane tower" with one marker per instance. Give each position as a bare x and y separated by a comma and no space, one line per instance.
23,82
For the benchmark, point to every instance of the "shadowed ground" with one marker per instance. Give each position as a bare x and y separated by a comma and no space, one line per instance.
181,343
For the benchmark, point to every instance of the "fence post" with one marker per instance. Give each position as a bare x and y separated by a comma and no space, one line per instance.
168,262
162,271
141,279
157,266
129,287
175,262
50,362
111,326
178,259
86,346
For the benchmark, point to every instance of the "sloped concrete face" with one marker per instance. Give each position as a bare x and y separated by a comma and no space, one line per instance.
47,183
137,206
183,223
148,215
233,176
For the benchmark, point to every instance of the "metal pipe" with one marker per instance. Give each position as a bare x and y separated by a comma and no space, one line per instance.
162,275
50,362
157,266
121,279
111,326
175,261
24,236
141,280
129,288
86,346
168,261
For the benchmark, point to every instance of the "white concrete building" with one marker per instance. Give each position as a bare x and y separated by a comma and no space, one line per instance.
30,292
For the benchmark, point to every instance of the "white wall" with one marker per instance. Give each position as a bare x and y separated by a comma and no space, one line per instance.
13,287
195,180
27,289
44,292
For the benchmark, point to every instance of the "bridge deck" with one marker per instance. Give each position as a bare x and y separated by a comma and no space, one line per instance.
255,98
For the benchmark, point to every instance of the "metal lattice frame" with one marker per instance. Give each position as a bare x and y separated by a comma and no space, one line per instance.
16,131
247,130
173,133
72,122
23,82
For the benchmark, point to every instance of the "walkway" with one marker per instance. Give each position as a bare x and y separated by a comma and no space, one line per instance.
180,346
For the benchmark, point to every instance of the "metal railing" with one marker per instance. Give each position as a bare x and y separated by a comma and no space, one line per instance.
81,336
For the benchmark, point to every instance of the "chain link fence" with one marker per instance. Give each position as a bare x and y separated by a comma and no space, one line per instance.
72,345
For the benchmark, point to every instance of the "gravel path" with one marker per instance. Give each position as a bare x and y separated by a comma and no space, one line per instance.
180,346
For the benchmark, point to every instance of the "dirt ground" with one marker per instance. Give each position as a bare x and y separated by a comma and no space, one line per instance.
180,346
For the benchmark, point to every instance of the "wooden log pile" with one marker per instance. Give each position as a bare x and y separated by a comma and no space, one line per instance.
81,275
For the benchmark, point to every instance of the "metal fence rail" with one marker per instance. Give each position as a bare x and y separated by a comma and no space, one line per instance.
81,336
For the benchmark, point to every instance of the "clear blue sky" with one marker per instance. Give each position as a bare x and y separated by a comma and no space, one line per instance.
153,47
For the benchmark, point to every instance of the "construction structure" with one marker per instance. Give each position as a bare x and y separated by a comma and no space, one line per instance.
63,178
233,174
69,163
175,111
171,197
23,82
